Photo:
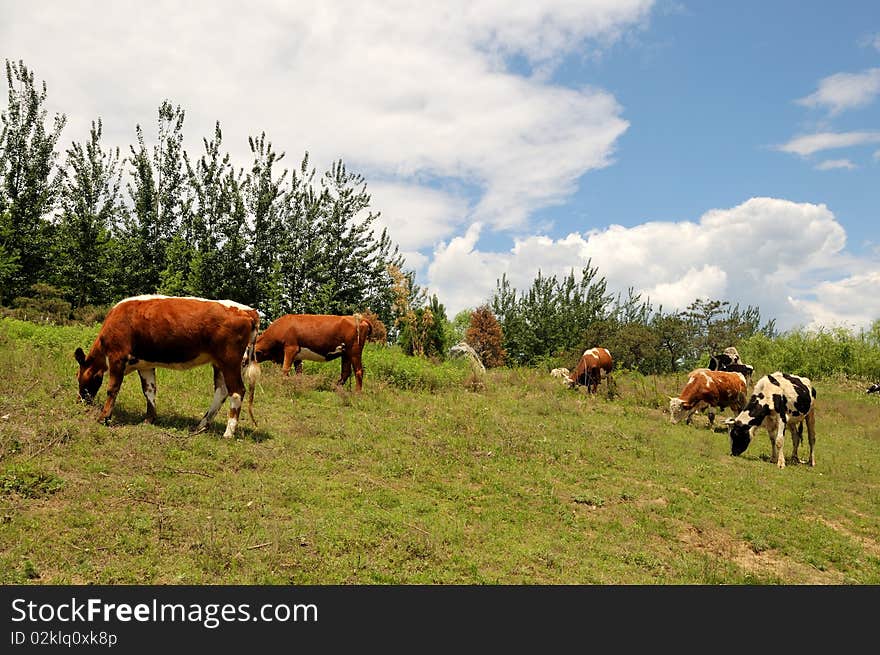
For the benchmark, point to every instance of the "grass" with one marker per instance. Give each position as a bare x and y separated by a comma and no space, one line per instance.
422,478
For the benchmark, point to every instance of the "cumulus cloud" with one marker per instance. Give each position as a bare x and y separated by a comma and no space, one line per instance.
761,253
831,164
843,91
809,144
852,302
412,93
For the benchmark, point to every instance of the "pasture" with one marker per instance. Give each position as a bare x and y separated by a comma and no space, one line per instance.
425,477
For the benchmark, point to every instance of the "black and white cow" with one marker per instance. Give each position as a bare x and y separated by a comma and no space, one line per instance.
874,388
779,400
729,361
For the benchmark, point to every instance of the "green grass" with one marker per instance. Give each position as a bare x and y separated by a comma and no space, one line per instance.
422,478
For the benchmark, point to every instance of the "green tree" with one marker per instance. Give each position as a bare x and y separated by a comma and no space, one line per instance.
268,203
218,268
27,162
90,209
157,189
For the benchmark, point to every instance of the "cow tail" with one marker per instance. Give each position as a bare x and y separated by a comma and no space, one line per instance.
357,327
252,372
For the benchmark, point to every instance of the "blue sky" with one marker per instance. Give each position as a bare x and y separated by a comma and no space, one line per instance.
688,149
709,90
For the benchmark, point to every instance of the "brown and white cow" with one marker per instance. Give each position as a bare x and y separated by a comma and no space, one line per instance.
593,365
317,337
144,333
708,389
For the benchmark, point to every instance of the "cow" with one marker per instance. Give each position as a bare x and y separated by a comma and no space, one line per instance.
562,373
729,361
779,400
707,389
317,337
594,364
143,333
728,357
874,388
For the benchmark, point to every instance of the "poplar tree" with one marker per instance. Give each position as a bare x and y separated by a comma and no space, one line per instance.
29,182
91,207
157,190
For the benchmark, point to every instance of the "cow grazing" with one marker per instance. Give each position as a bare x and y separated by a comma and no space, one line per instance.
593,365
144,333
874,388
779,400
317,337
562,374
707,389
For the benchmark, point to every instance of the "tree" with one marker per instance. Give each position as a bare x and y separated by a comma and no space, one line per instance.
549,318
673,336
27,162
486,337
268,203
90,208
218,268
157,191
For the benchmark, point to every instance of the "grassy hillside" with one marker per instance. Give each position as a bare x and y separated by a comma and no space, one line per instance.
425,477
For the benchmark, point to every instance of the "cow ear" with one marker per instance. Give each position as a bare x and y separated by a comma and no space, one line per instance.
80,356
729,420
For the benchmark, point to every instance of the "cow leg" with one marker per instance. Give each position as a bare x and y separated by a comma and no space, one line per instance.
711,414
811,435
346,371
358,372
115,375
778,439
220,393
148,386
796,434
235,385
298,366
289,353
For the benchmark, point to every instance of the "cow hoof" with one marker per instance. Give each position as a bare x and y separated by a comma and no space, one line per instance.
198,429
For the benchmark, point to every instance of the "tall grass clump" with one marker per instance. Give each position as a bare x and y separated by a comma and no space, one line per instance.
394,367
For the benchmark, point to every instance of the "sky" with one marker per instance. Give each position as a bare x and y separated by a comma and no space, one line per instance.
687,149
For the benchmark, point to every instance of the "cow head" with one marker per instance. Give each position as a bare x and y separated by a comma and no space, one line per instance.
89,377
740,436
677,409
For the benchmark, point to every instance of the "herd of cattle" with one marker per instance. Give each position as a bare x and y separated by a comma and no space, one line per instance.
144,333
778,401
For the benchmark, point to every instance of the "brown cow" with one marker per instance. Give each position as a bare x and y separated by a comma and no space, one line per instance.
594,364
707,389
317,337
144,333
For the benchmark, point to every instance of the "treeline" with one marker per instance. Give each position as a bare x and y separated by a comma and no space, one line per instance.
95,225
554,321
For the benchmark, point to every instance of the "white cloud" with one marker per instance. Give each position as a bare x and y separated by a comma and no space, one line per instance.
758,253
853,302
812,143
417,217
405,92
831,164
845,91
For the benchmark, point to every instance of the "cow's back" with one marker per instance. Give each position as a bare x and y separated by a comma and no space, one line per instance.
168,329
717,388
